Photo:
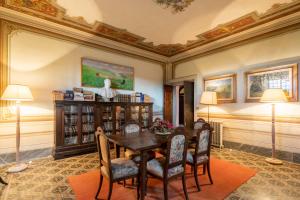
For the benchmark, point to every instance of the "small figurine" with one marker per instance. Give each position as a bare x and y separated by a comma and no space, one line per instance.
106,92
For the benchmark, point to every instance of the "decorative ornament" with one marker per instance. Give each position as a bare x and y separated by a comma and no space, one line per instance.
176,5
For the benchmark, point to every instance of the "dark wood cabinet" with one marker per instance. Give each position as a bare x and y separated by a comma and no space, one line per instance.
76,123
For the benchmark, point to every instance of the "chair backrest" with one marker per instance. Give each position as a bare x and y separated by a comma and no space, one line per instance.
103,150
203,141
132,128
176,150
157,119
199,123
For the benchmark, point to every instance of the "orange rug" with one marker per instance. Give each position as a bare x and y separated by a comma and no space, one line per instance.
226,176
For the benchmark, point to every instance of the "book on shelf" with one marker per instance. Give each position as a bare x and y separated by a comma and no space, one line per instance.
69,95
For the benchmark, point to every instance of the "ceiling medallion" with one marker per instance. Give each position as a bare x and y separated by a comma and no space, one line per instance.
176,5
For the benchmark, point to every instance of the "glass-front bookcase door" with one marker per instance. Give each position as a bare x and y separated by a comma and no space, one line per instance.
107,119
145,117
135,113
87,124
120,118
70,124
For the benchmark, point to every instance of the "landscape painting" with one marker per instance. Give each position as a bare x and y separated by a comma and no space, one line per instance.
224,86
284,77
94,72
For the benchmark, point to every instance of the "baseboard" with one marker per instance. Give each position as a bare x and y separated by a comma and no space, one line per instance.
25,155
282,155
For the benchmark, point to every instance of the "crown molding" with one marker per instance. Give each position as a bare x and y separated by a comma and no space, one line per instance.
74,33
51,11
272,28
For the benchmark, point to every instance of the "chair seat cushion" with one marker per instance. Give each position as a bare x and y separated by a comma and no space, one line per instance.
190,158
156,167
135,156
121,167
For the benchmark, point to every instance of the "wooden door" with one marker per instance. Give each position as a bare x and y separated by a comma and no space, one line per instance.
188,104
168,103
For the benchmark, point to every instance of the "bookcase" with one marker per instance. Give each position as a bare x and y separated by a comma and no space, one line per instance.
76,123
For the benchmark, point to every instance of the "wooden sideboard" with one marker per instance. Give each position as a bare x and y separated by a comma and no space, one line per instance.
76,122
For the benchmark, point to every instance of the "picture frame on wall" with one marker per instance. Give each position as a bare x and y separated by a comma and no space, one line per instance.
94,72
224,86
284,77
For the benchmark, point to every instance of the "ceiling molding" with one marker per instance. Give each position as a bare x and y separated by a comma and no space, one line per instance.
50,10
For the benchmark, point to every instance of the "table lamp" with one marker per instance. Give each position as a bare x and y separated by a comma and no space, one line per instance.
273,96
208,98
17,93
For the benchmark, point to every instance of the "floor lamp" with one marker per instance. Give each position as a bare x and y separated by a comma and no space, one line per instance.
208,98
17,93
273,96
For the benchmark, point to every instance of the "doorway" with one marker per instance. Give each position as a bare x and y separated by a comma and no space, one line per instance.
185,104
181,105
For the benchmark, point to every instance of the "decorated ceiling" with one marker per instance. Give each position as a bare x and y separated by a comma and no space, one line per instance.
154,26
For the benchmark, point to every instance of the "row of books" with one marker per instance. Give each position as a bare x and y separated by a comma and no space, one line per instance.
79,94
71,109
88,128
87,118
71,120
87,109
87,138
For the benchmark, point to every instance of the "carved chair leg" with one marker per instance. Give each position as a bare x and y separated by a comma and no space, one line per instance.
196,177
204,169
165,189
110,190
208,170
138,188
99,187
184,187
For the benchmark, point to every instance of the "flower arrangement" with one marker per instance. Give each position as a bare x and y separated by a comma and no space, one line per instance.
161,126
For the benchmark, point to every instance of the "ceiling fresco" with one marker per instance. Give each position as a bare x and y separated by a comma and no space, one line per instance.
53,11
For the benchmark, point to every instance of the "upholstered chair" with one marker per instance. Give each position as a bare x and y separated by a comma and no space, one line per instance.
199,123
200,155
114,170
173,165
132,129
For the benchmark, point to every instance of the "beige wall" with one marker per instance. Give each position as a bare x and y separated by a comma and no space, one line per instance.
273,51
45,64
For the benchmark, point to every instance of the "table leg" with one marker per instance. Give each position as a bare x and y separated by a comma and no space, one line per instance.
143,174
117,149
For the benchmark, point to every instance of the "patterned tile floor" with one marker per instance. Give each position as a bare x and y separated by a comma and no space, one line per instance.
47,179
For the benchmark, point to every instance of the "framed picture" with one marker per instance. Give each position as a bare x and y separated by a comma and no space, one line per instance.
284,77
94,72
224,85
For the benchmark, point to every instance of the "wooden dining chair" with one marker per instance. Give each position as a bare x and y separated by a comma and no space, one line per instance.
200,155
132,129
199,123
114,170
173,165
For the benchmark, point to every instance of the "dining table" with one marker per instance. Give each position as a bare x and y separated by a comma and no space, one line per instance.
144,142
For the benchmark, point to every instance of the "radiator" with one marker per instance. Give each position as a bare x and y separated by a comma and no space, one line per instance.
217,137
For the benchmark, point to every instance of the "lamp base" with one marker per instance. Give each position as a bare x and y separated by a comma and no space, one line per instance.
17,168
274,161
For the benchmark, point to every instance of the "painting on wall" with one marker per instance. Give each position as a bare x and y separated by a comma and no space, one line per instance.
284,77
224,86
94,72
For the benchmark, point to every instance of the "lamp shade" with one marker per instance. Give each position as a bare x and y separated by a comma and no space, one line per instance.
208,98
273,96
17,93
